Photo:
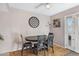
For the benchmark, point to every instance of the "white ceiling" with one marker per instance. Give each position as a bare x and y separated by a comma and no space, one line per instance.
55,7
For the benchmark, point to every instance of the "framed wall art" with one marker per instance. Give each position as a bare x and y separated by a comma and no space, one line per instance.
34,22
56,23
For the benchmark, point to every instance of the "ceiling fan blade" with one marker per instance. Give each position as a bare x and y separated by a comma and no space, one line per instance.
41,4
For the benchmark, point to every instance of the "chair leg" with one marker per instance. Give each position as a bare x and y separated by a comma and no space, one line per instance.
22,51
47,51
53,50
33,51
37,52
44,52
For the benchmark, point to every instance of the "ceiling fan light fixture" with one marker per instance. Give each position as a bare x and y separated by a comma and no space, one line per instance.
47,6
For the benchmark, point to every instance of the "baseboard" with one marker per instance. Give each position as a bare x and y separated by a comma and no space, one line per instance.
58,45
7,51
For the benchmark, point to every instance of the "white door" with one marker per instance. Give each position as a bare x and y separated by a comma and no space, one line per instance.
70,32
77,34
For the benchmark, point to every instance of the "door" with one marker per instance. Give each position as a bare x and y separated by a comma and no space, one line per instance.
70,32
77,34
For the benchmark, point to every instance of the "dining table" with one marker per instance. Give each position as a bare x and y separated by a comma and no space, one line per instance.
33,39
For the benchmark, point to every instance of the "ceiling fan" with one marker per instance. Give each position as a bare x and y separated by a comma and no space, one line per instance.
47,5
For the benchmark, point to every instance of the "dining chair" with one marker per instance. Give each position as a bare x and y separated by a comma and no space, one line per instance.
26,46
49,42
39,46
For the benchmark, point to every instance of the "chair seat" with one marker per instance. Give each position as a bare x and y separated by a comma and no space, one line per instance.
27,43
40,48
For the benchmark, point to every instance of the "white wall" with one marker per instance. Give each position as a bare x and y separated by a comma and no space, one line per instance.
16,21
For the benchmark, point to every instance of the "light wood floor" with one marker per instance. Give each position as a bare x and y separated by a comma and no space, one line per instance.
58,51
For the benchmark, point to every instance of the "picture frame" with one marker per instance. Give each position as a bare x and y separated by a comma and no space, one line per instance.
33,22
56,23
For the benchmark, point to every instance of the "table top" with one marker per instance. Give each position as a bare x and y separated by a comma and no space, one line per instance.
33,38
30,40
